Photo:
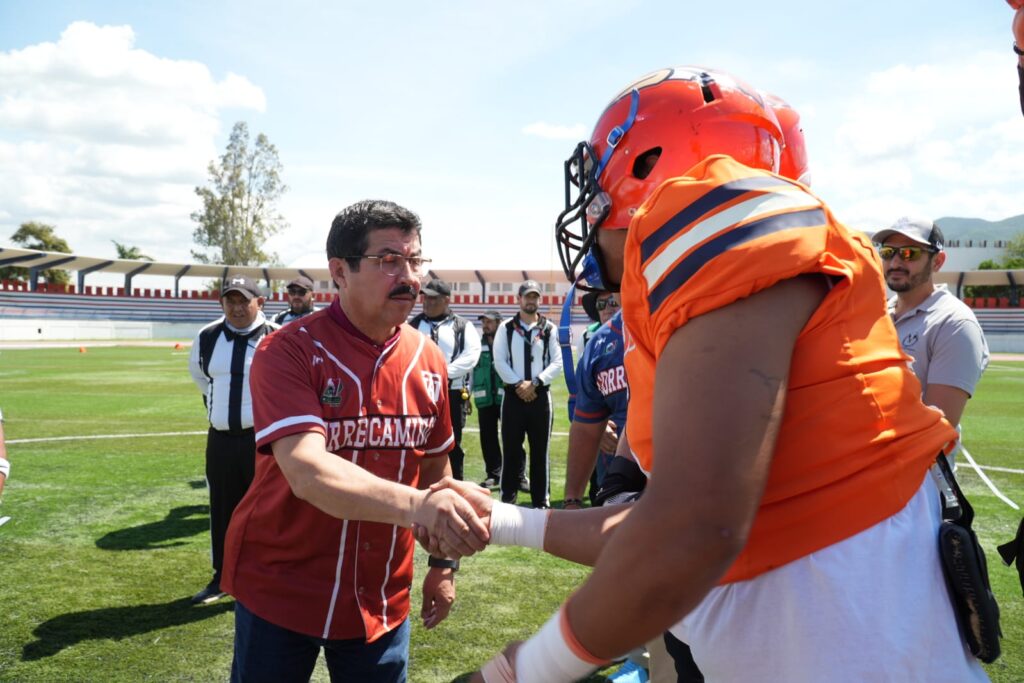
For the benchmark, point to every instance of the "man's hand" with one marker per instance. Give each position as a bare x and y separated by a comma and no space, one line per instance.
610,438
500,668
526,391
438,596
452,526
478,498
1018,24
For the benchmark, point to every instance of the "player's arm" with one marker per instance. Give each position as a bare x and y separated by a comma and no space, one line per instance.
584,442
467,360
346,491
715,425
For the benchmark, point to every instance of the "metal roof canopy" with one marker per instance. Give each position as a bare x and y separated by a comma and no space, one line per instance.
36,261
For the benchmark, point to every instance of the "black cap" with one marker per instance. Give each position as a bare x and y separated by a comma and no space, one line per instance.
242,285
589,303
302,281
529,286
490,315
436,287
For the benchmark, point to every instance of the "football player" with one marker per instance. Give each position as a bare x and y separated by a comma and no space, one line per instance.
788,528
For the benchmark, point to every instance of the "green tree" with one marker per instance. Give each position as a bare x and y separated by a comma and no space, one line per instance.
129,253
33,235
239,205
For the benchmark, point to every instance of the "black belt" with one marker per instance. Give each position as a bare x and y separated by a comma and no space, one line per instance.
233,432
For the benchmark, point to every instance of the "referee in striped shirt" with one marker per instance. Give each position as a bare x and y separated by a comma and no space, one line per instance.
219,364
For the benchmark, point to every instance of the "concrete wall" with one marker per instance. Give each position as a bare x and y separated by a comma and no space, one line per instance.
60,329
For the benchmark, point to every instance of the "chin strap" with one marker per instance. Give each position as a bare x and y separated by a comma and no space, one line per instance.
565,341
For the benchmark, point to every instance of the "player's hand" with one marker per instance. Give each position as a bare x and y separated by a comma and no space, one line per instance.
453,527
438,596
477,497
610,438
500,668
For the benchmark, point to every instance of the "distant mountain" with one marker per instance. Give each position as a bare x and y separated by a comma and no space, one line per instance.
954,228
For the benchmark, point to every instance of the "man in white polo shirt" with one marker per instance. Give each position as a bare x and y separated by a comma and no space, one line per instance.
935,328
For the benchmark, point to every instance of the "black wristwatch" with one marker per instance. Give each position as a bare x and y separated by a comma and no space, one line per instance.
538,382
443,563
1020,53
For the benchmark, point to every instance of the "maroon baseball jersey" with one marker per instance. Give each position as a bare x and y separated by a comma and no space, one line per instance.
381,407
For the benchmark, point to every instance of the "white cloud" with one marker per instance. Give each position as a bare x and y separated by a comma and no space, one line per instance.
103,138
936,139
553,131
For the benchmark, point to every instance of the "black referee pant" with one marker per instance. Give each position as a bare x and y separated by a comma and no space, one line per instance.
532,420
455,407
230,466
490,442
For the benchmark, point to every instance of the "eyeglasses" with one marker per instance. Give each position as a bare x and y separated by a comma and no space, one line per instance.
905,253
394,264
297,291
607,303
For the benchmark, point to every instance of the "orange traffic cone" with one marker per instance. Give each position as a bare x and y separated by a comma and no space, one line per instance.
178,346
81,349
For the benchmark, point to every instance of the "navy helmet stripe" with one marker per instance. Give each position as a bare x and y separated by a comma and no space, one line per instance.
710,200
683,270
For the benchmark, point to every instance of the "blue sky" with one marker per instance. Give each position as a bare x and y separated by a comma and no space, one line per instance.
464,111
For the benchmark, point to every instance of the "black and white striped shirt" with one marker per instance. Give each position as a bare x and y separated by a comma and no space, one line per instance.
219,364
527,352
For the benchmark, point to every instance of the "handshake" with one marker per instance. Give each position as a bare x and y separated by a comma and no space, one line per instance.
453,518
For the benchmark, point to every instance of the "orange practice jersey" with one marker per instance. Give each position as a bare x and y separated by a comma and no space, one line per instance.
855,441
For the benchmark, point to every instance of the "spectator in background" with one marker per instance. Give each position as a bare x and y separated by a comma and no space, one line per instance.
599,306
300,301
600,409
219,364
527,358
940,332
487,393
460,343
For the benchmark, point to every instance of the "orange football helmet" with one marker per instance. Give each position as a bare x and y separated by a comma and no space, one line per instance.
658,128
793,160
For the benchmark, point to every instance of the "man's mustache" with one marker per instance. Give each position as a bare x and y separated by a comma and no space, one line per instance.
402,289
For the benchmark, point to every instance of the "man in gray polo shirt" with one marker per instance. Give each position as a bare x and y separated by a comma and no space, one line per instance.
938,330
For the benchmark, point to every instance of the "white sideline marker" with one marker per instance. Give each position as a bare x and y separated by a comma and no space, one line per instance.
4,520
984,478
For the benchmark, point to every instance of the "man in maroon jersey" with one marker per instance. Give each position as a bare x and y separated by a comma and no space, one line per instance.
352,425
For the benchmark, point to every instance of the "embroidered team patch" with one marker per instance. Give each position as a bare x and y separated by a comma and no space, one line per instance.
432,382
331,395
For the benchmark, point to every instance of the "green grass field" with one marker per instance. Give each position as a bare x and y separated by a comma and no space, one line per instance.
109,536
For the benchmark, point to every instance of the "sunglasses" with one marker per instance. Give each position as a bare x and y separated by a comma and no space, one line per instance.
905,253
607,303
297,291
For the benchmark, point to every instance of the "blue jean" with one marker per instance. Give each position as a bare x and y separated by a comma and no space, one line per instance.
265,652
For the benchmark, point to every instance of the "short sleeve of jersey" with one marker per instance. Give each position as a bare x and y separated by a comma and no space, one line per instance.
284,398
719,234
959,356
441,438
590,403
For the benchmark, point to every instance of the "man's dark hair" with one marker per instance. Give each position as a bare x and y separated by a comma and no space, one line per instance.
351,228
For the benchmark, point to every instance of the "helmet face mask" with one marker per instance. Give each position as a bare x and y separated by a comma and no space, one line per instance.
657,129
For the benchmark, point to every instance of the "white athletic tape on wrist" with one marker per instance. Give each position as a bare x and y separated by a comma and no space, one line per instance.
553,655
5,467
513,525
